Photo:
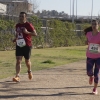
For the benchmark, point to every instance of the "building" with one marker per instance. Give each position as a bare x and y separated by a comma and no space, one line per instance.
3,8
14,7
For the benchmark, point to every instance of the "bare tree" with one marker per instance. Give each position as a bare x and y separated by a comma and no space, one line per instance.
35,5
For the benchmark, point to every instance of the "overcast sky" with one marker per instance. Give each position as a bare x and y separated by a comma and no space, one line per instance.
83,6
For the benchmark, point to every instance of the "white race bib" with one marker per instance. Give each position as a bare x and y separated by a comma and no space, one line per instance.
21,42
94,48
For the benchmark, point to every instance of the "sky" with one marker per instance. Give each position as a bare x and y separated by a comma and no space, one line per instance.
83,6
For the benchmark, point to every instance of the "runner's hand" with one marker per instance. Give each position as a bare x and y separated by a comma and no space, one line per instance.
25,31
14,40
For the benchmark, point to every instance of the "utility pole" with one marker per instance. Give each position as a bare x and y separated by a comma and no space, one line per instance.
76,9
46,32
91,11
70,9
73,13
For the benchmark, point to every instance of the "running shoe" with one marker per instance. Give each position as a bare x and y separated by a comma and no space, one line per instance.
16,79
95,92
30,76
91,80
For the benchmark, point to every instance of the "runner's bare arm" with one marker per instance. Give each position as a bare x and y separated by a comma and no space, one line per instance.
34,33
15,37
86,42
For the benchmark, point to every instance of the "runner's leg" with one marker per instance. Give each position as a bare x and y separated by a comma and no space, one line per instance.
96,72
90,64
18,64
28,64
27,54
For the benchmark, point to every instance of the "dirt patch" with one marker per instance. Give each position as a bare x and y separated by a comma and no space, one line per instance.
68,82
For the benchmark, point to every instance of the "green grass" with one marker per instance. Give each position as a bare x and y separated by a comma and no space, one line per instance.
41,59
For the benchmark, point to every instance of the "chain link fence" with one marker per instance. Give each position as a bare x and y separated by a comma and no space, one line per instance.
44,39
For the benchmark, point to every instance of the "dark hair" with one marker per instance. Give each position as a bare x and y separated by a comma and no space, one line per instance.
23,13
95,20
88,30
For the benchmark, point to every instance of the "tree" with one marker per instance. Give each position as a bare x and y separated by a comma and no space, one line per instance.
35,5
37,24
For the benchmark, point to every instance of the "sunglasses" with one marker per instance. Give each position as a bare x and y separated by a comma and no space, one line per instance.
21,16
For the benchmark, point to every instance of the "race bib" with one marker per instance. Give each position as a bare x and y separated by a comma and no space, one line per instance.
21,42
94,48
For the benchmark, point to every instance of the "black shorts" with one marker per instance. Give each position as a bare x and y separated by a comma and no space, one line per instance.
23,51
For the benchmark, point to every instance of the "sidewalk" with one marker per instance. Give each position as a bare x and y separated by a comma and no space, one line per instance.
68,82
